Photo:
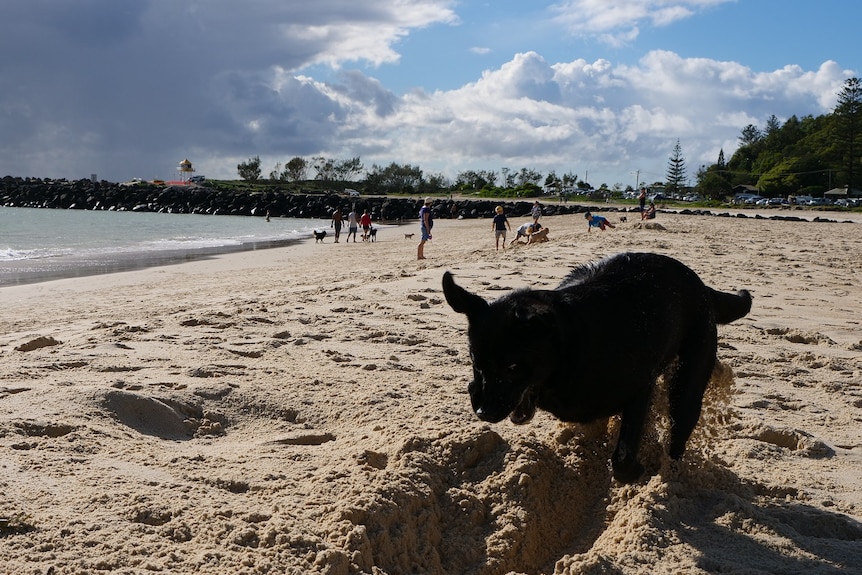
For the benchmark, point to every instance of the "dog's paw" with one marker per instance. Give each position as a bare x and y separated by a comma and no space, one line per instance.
628,472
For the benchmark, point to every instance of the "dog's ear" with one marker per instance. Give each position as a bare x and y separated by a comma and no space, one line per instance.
460,299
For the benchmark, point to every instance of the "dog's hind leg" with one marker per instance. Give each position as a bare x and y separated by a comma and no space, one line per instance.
686,388
627,468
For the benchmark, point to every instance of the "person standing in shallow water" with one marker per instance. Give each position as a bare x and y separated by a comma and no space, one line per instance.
426,222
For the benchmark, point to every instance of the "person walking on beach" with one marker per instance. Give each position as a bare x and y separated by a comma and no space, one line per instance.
426,222
536,212
352,225
337,220
600,222
365,222
499,225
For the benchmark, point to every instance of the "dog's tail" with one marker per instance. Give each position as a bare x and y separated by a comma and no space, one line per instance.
729,307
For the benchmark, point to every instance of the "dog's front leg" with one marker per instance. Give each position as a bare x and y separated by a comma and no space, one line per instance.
627,468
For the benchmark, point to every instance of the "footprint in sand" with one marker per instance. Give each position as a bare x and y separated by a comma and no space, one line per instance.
795,440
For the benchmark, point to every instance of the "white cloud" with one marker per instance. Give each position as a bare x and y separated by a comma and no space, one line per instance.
590,116
618,22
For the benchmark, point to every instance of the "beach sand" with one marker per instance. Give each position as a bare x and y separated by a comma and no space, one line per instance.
304,410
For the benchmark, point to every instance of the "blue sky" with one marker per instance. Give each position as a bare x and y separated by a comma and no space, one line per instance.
598,88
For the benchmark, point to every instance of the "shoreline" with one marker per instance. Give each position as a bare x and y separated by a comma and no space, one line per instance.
20,272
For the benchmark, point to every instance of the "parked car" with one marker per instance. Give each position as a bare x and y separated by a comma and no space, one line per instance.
198,179
351,193
849,202
746,198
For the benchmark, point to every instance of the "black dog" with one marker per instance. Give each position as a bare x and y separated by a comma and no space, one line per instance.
373,234
588,356
319,235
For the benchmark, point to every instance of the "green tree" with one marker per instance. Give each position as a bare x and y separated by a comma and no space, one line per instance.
750,135
713,185
296,169
347,169
250,170
325,168
394,178
848,127
528,176
675,170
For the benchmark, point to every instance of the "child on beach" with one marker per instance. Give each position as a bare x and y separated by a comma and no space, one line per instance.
600,222
499,225
426,222
526,231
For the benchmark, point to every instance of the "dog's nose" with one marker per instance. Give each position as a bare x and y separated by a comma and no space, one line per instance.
489,416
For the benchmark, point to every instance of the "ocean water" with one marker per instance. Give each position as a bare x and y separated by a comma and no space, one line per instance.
44,244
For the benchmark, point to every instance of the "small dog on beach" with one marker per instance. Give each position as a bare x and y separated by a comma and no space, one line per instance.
408,236
372,233
589,357
624,218
319,235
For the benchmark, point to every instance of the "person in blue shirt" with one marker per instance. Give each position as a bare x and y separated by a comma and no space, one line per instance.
600,222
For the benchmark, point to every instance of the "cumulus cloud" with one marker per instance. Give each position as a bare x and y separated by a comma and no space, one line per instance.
594,115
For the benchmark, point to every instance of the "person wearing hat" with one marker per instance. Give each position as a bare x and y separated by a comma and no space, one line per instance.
426,222
499,225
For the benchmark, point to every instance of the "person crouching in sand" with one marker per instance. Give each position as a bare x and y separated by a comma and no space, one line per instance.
600,222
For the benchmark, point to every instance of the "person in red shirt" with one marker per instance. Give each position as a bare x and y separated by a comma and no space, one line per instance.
365,222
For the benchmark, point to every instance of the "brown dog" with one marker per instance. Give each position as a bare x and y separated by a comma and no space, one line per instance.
538,237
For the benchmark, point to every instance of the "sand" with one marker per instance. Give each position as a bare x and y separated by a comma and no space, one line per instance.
304,410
